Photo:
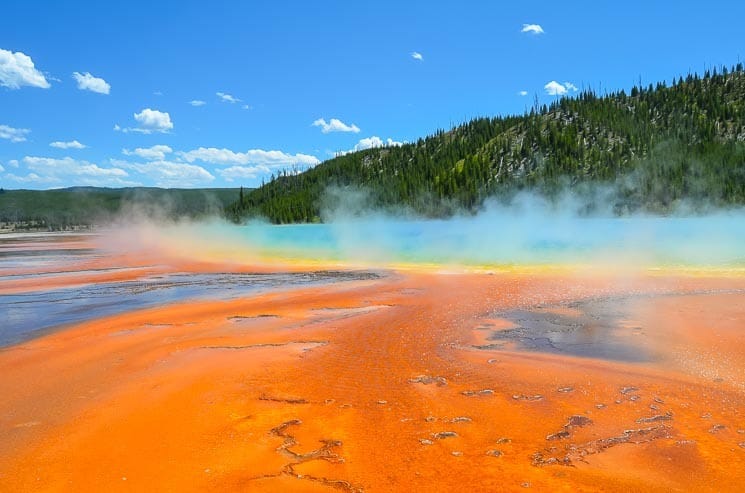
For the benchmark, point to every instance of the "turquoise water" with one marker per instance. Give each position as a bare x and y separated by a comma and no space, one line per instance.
716,240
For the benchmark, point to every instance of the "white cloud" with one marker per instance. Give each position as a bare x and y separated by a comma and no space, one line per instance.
74,144
197,102
157,93
375,141
13,134
50,170
170,173
69,166
154,120
245,172
150,121
254,157
554,88
532,29
241,165
227,98
33,178
13,163
335,125
522,93
1,168
247,107
87,82
417,56
17,69
156,152
370,142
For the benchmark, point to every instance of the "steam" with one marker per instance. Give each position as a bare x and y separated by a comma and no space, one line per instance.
531,229
527,230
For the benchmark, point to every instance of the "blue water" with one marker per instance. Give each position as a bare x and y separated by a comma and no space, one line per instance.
717,241
488,239
27,315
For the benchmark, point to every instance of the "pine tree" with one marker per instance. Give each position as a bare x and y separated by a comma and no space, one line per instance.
575,141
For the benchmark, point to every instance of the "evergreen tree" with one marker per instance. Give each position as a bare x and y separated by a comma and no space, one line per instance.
655,146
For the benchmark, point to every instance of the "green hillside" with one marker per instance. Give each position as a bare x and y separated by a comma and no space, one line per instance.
85,206
651,148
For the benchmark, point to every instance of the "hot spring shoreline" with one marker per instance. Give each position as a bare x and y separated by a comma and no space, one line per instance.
433,378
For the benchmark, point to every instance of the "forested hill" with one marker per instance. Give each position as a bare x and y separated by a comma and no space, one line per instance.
76,207
652,148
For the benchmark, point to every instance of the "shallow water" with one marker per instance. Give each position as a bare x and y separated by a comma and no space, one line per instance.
379,374
29,314
595,331
715,240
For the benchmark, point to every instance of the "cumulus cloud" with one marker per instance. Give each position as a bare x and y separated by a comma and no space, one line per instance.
252,172
554,88
170,173
522,93
33,178
156,152
70,166
243,172
417,56
371,142
51,170
375,141
335,125
254,157
227,98
73,144
17,70
154,120
532,29
150,121
197,102
13,134
87,82
1,168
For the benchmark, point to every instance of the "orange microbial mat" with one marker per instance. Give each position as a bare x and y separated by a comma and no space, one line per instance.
292,377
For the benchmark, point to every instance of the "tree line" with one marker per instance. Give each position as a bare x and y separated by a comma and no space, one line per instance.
652,148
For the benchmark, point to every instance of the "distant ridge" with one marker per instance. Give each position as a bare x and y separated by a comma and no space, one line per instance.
76,207
650,149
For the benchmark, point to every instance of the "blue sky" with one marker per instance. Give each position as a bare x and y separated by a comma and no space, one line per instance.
216,94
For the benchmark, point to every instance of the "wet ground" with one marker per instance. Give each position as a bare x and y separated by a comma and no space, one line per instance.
594,328
544,381
35,250
32,313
